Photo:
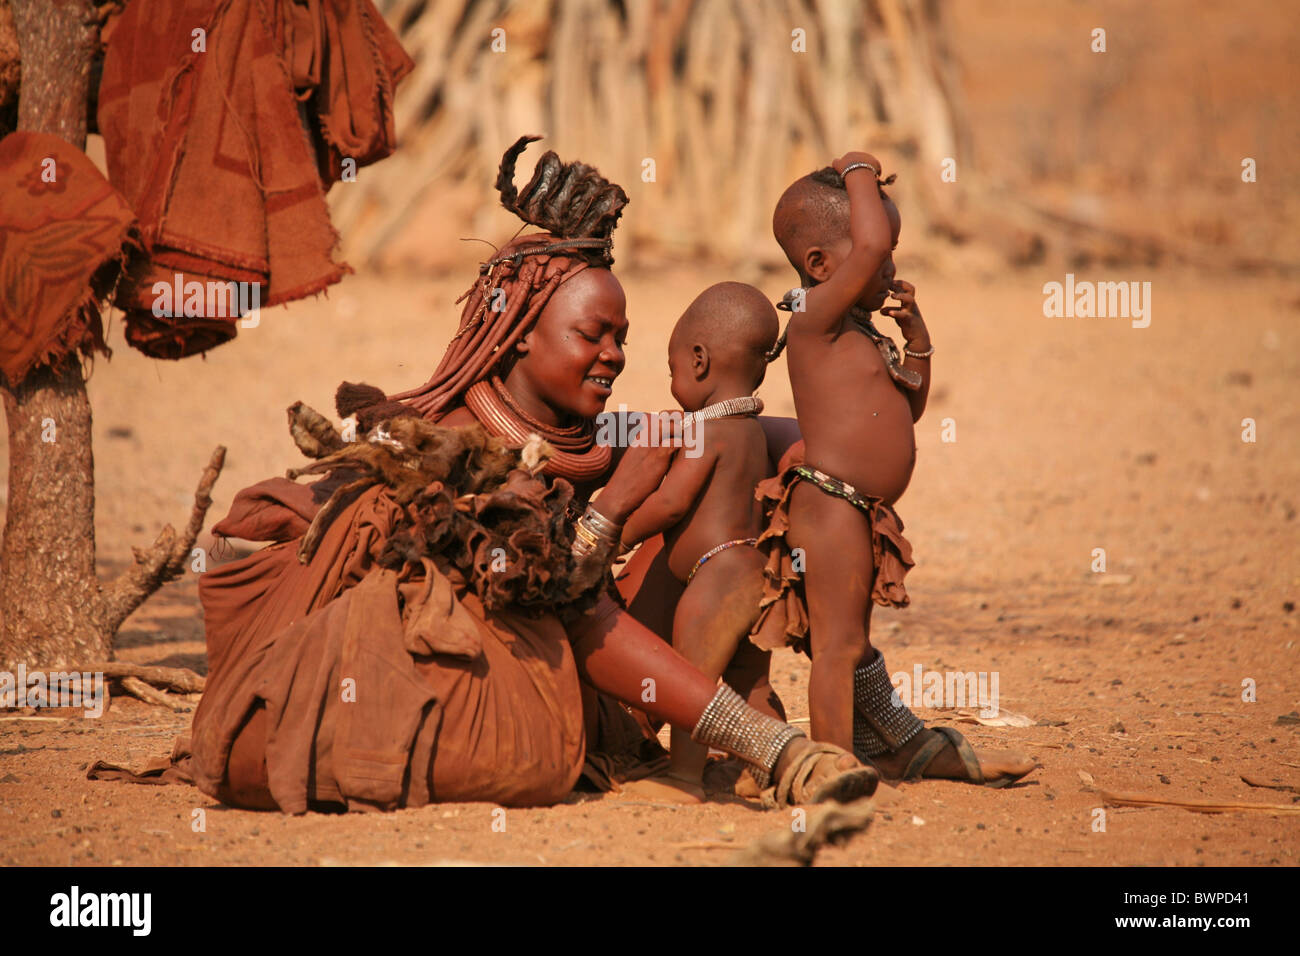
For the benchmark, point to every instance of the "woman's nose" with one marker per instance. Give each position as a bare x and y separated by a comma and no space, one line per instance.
613,355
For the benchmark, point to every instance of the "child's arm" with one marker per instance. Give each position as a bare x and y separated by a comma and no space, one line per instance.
917,339
681,488
826,302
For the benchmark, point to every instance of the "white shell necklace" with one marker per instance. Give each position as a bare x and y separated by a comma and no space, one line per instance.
727,408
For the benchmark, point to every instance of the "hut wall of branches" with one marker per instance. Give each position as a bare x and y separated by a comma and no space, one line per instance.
702,109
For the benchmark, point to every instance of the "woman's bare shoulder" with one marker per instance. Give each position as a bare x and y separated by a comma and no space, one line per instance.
458,417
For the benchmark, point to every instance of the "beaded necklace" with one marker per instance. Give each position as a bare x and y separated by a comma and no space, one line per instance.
727,408
577,456
907,377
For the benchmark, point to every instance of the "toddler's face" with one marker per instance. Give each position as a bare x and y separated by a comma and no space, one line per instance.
878,289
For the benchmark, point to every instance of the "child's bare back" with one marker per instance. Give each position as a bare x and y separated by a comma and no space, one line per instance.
734,455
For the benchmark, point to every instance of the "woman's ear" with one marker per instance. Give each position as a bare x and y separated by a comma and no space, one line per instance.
699,361
522,346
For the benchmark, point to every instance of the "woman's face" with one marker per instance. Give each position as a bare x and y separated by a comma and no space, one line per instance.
569,360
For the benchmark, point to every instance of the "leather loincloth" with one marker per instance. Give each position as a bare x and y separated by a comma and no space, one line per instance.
783,610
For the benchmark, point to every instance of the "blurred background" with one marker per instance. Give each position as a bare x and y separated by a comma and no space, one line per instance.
1057,149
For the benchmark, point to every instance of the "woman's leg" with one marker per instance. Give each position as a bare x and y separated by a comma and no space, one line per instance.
620,656
649,589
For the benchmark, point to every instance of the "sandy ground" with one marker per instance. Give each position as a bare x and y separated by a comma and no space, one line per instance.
1071,435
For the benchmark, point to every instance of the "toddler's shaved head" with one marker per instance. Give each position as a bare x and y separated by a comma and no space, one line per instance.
734,321
813,211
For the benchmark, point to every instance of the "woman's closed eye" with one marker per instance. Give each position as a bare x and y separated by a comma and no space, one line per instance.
595,337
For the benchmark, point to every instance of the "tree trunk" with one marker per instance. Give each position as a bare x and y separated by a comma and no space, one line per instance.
47,560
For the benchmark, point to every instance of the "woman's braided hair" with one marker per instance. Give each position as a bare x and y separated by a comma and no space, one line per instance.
578,209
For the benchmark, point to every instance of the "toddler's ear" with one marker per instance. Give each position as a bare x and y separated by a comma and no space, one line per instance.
700,361
816,264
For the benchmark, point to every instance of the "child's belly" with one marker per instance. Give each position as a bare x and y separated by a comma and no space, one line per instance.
872,447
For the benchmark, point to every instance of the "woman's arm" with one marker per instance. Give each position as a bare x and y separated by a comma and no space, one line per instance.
639,472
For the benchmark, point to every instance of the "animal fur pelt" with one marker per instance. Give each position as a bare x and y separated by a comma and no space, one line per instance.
368,405
472,503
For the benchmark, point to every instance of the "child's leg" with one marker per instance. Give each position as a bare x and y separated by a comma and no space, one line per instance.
749,674
713,617
838,574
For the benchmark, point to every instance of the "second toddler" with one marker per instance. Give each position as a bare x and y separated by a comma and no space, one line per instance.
705,507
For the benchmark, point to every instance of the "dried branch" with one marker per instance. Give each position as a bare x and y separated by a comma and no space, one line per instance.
165,560
139,689
173,678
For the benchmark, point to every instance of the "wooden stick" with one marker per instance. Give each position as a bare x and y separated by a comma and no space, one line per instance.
139,689
173,678
166,559
1258,782
704,845
1198,806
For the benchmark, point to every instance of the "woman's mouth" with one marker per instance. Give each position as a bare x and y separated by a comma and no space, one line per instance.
604,384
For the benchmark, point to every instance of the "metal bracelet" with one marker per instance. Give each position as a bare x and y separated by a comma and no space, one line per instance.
598,523
925,354
596,542
882,723
729,724
852,166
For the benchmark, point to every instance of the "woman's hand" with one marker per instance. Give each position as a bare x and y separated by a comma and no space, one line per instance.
640,471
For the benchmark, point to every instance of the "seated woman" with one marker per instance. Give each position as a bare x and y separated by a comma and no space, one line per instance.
343,682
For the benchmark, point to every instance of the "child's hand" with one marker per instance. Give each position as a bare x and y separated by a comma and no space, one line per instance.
906,313
848,159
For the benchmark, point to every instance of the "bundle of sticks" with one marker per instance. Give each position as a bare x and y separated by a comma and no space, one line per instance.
696,105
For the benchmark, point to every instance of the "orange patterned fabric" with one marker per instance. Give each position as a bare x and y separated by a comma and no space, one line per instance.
63,233
199,107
